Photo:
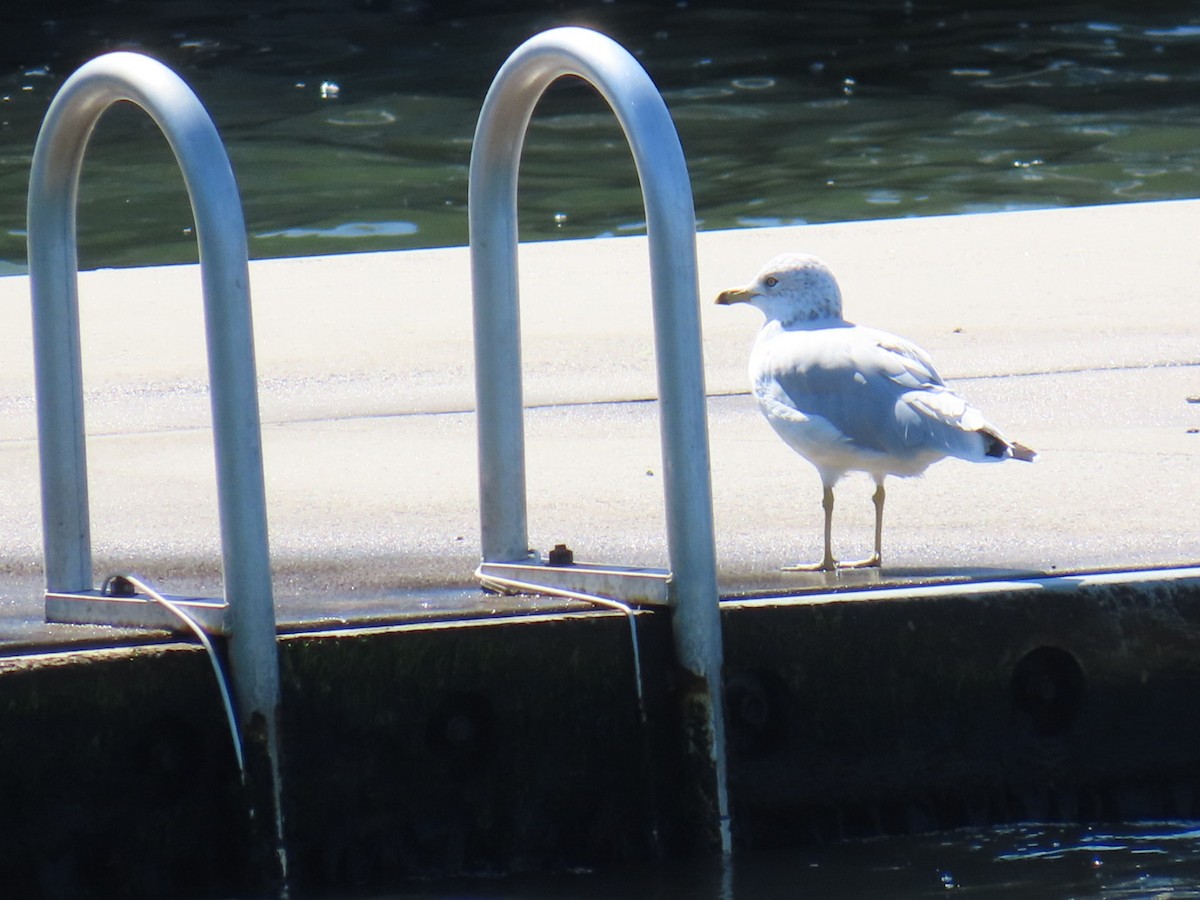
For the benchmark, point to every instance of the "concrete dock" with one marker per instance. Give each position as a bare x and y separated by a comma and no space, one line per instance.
1074,330
986,688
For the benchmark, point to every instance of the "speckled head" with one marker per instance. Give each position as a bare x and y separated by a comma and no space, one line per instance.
791,288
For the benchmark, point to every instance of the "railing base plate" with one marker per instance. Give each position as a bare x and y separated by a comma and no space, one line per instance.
135,611
627,584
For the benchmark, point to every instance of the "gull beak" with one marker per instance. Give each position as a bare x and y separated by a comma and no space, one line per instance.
736,295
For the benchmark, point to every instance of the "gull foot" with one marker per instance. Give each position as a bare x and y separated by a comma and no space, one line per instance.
871,562
832,565
827,565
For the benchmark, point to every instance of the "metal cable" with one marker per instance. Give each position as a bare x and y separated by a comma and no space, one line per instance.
222,679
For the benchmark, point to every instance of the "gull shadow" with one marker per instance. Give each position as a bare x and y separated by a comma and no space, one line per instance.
742,585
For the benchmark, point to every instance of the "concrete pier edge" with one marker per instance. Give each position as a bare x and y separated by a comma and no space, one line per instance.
1029,651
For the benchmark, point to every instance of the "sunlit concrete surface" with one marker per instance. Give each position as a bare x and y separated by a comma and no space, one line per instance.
1076,331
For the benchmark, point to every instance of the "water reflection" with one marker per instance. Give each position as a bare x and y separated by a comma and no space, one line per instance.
343,121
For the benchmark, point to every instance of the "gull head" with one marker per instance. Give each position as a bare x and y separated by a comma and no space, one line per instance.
791,288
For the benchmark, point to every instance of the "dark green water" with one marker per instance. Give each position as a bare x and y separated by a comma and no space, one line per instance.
787,112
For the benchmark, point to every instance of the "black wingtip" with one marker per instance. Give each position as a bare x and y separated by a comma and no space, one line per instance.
998,448
1023,453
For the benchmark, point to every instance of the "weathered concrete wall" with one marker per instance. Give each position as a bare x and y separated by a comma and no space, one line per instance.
517,743
475,747
479,747
941,710
118,778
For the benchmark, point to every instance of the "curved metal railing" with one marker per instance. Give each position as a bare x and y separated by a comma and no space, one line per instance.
670,223
248,614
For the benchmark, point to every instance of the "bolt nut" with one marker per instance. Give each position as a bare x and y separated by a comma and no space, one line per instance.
561,555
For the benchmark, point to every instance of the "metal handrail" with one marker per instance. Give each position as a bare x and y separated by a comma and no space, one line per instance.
249,615
670,226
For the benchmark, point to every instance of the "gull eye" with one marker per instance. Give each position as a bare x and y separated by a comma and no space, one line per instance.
770,281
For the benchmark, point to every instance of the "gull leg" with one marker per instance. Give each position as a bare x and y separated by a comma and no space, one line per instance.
877,499
828,563
875,560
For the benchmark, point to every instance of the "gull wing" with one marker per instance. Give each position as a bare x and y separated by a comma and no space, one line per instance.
878,394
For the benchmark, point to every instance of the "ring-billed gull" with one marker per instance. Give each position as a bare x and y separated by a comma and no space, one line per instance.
849,398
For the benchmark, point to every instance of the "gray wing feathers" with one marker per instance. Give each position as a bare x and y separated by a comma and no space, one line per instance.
883,394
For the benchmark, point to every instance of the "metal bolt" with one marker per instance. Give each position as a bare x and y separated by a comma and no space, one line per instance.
119,586
561,555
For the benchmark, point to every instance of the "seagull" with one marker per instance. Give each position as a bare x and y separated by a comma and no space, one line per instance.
850,398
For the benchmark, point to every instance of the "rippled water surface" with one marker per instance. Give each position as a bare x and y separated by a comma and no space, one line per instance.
1032,862
349,124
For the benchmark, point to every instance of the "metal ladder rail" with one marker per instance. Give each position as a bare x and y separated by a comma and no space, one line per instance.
666,191
247,614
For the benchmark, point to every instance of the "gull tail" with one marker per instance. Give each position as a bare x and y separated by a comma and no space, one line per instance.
960,428
999,448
